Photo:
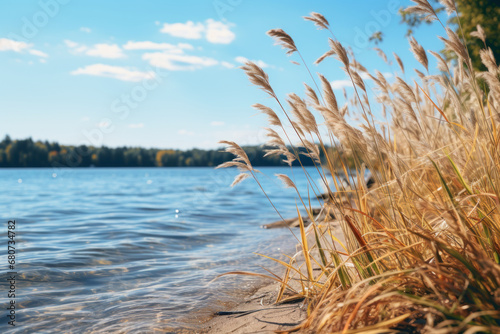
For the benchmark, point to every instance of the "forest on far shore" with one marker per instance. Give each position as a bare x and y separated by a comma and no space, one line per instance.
29,153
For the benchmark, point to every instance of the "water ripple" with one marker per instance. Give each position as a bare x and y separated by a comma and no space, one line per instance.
104,250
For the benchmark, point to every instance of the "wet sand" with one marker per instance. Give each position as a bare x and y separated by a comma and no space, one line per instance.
258,312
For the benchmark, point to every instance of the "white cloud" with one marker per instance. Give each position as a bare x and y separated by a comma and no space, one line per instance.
217,123
70,44
189,30
178,62
260,63
11,45
16,46
185,46
364,76
227,64
85,29
148,45
339,84
85,119
103,50
136,126
111,51
115,72
216,32
38,53
184,132
75,47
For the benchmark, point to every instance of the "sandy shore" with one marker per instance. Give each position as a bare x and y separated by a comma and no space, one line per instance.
258,312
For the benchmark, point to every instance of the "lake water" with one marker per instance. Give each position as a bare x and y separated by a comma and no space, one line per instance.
133,250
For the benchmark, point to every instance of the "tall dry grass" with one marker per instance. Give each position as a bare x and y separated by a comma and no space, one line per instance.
422,247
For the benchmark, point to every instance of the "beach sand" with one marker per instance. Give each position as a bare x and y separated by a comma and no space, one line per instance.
258,312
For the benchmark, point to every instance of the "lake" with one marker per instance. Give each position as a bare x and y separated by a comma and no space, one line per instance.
134,249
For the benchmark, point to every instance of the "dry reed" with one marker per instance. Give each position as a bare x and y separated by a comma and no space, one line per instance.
422,251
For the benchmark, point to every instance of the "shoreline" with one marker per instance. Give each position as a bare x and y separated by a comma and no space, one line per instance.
228,293
257,312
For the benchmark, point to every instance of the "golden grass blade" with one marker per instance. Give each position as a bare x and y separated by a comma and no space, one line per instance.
305,248
338,240
493,123
247,273
437,108
358,305
286,278
379,225
459,175
320,248
381,327
286,265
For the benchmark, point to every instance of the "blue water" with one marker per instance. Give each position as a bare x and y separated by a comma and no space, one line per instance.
133,250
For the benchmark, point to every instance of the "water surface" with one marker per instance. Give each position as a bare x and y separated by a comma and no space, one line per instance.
133,250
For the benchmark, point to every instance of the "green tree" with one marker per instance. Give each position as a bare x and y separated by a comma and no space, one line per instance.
27,153
487,14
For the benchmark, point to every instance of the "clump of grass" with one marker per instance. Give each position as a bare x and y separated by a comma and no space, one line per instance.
422,247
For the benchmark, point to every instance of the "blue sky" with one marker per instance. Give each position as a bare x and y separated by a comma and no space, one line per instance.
164,73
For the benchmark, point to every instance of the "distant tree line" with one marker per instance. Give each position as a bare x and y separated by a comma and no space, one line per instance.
29,153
